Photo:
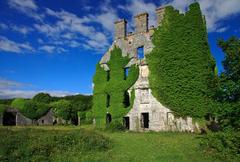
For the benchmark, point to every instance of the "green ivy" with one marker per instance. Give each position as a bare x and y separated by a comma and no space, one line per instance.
30,108
115,87
181,66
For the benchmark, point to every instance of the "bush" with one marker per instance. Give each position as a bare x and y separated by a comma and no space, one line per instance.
49,145
115,126
224,145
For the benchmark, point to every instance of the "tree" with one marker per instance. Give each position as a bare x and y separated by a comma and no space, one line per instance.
42,97
62,109
228,92
229,86
18,103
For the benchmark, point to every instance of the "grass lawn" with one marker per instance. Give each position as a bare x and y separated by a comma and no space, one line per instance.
125,146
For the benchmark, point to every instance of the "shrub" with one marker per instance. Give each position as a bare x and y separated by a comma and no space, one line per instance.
115,125
224,145
49,145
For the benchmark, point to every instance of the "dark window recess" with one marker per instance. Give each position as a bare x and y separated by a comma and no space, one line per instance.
126,71
108,118
145,120
42,121
9,119
140,52
108,75
126,122
126,100
108,100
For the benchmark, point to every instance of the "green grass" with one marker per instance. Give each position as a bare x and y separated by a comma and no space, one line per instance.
85,144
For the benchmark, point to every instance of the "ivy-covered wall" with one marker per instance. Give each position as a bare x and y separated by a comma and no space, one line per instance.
181,65
115,87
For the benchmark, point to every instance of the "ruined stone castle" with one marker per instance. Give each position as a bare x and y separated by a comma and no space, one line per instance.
147,113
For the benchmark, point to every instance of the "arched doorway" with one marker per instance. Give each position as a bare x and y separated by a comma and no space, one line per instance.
108,118
9,119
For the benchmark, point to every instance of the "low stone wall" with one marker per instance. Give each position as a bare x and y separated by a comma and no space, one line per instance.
22,120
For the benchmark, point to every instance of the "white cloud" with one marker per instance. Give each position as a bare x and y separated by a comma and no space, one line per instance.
28,7
11,46
221,30
139,6
5,83
47,48
3,26
70,26
22,29
9,93
214,10
14,89
23,4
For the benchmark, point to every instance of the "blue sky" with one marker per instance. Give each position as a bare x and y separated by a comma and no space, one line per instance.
53,46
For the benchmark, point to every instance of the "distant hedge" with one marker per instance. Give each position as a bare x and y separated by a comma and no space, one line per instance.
181,66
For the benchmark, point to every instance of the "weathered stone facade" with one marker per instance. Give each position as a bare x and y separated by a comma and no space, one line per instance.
13,117
147,112
47,119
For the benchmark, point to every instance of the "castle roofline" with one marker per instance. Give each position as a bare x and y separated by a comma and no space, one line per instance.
160,8
119,21
141,14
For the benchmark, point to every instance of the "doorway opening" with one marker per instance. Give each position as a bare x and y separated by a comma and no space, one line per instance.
126,122
108,118
9,119
145,120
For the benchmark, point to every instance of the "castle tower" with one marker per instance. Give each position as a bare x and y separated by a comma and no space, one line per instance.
120,29
141,23
160,14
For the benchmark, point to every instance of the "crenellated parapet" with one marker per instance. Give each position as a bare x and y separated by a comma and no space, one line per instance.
141,24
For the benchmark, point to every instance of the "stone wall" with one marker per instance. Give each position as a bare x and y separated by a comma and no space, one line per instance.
160,117
22,120
47,119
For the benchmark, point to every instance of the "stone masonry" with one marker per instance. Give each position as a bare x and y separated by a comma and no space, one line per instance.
147,112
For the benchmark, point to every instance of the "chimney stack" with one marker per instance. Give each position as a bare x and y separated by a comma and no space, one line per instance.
141,23
120,29
160,15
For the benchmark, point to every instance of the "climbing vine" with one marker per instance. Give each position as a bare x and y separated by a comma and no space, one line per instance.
181,66
115,87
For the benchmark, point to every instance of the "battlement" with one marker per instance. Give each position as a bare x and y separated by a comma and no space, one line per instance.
141,23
